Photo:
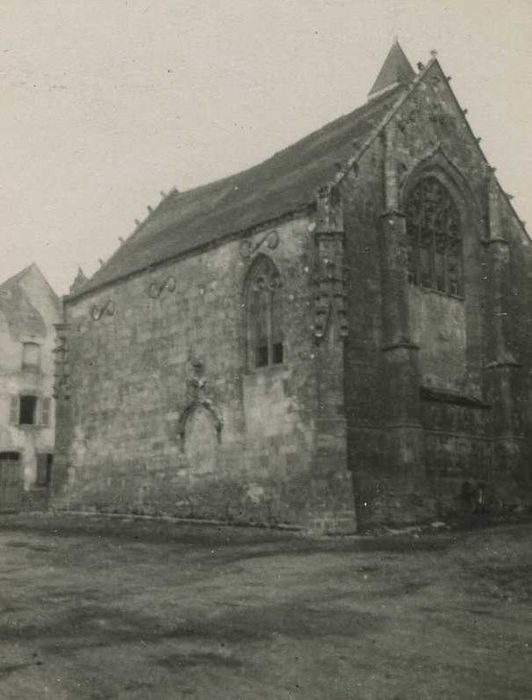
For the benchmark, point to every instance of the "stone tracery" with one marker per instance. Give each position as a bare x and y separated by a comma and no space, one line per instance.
434,238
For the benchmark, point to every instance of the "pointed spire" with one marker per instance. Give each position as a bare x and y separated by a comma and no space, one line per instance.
396,70
78,282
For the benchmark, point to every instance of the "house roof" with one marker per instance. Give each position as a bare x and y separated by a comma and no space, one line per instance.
283,184
7,284
35,270
21,316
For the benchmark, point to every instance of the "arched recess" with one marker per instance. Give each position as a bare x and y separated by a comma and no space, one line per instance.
205,405
263,314
444,307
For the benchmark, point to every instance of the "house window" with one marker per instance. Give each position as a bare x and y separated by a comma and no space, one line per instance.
44,469
263,304
31,356
9,456
434,238
28,410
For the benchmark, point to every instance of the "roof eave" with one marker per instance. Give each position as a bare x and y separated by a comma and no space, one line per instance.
298,211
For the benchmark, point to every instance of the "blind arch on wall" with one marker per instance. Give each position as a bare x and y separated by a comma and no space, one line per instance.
263,314
434,235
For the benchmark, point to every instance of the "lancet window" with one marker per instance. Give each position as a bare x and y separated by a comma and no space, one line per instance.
264,323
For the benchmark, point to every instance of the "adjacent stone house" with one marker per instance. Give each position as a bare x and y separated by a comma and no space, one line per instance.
29,308
339,335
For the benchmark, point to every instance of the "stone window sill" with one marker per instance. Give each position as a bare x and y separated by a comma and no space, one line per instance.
267,369
431,290
428,393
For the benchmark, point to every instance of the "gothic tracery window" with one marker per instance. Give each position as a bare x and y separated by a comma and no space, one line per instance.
434,238
263,306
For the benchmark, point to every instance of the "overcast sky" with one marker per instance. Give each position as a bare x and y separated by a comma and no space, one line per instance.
104,103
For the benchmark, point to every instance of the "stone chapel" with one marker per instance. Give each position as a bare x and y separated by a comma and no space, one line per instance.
338,337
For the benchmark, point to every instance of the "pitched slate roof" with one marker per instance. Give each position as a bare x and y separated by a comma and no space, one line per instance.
284,183
281,185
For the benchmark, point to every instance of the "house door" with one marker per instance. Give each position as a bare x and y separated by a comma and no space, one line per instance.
11,485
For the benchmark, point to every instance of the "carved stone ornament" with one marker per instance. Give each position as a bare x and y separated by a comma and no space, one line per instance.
330,299
107,308
62,386
438,116
157,288
270,280
402,171
249,248
329,272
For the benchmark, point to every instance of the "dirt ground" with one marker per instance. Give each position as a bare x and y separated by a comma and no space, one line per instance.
111,609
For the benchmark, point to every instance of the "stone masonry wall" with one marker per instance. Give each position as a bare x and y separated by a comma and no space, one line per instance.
164,418
460,429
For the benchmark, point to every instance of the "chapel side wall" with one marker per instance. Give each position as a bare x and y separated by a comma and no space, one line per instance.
135,372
